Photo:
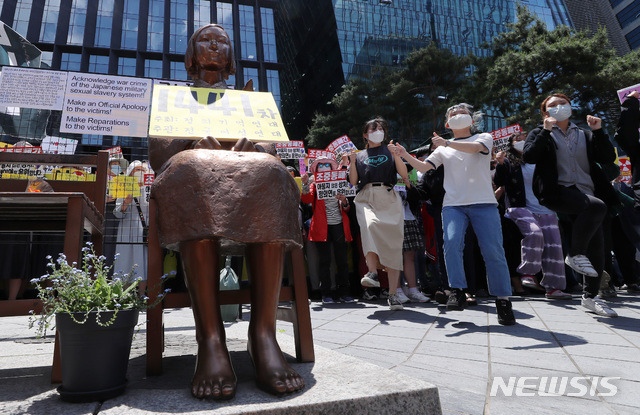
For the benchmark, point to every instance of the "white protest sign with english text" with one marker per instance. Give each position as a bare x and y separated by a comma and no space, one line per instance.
106,105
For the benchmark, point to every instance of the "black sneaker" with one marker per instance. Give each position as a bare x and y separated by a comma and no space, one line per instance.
505,313
633,288
370,279
440,297
457,300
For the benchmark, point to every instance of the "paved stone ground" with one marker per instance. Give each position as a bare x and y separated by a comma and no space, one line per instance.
459,352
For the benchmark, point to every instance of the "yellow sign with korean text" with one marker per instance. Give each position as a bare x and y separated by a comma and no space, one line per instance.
226,114
122,186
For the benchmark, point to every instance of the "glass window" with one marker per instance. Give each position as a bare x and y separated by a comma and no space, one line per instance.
629,14
178,27
103,23
633,37
178,73
21,17
251,73
77,22
98,64
225,17
615,3
202,13
156,25
153,69
247,33
127,66
49,21
70,61
268,35
45,59
273,83
130,24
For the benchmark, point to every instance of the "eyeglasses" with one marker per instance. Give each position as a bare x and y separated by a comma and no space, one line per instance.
324,165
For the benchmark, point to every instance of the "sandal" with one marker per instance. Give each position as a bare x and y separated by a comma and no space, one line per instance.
471,299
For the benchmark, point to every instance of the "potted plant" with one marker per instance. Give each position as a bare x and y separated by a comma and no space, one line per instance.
95,317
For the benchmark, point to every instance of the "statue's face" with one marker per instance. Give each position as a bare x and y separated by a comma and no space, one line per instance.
212,49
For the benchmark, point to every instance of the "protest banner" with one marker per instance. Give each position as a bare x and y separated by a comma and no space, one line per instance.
330,183
413,179
20,171
303,166
321,154
122,186
193,113
501,137
148,181
625,169
624,92
70,174
32,88
115,152
59,145
14,149
290,150
106,104
341,145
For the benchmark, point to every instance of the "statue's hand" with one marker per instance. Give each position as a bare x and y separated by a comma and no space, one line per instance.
208,143
244,145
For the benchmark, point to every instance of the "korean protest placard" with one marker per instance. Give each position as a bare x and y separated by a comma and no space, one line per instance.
70,174
226,114
122,186
14,149
32,88
330,183
625,169
115,152
321,154
106,104
290,150
624,92
148,181
341,145
20,171
501,136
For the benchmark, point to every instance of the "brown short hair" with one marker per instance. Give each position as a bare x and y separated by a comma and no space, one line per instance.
190,55
543,106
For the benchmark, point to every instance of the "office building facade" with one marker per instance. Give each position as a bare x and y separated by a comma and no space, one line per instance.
627,13
302,51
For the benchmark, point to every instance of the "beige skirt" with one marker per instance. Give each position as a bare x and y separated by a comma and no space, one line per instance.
381,219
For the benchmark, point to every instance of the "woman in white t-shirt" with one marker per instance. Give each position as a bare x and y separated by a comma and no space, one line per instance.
469,198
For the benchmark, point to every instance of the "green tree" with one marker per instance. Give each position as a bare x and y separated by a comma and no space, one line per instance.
413,99
529,62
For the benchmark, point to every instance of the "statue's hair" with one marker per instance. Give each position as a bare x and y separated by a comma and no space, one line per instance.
190,56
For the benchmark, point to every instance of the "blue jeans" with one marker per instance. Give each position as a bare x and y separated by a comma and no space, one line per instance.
485,221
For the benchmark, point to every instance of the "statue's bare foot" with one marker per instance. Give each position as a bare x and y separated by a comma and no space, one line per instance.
274,375
214,377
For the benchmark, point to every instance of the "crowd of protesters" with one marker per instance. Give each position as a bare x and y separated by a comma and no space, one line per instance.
546,215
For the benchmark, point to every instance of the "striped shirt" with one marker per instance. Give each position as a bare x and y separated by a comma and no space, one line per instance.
332,208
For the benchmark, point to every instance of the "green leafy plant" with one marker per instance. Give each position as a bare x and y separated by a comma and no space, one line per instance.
69,289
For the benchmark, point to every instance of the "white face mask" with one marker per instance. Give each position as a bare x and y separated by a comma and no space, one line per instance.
376,136
560,112
460,122
519,145
116,169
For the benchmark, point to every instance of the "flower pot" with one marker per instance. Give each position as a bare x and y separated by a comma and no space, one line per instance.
94,358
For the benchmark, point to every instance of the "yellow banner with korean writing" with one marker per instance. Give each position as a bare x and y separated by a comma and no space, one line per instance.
123,186
193,113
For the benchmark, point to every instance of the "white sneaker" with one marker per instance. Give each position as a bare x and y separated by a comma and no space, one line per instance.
418,297
599,306
581,265
402,297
